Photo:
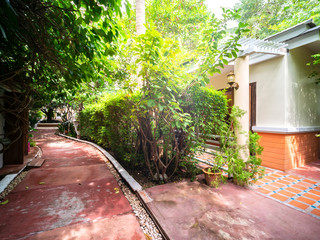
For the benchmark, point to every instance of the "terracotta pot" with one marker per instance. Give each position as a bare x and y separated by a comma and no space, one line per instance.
213,179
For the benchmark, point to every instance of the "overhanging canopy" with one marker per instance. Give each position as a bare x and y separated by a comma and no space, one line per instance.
260,50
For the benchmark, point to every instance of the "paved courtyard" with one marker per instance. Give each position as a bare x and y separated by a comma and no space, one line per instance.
298,188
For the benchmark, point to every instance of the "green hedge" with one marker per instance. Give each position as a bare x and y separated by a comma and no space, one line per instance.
109,122
112,122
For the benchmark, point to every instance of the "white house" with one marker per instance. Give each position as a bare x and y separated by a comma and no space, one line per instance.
282,101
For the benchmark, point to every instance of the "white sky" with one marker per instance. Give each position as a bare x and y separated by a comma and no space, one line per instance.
215,5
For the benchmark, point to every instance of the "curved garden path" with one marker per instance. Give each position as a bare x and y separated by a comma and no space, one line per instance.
72,196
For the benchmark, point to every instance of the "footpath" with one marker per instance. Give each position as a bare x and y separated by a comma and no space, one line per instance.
73,195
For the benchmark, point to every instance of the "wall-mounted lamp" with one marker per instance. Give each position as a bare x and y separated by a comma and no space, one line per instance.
231,80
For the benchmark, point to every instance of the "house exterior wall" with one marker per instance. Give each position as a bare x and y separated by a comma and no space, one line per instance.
303,95
218,81
287,151
287,109
271,101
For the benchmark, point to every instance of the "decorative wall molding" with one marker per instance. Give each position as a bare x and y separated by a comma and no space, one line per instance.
287,130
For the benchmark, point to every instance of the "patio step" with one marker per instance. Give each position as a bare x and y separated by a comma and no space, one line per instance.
36,163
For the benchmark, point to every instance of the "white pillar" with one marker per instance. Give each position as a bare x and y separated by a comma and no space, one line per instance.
241,99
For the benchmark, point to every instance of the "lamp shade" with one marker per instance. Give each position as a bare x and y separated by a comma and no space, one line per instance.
231,78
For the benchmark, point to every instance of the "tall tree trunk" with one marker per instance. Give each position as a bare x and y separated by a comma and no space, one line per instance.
140,17
141,29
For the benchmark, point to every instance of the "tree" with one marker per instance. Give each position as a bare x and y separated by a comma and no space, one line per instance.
165,128
266,17
182,20
140,17
53,43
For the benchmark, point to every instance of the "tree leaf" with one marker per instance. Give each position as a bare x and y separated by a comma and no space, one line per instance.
151,103
4,202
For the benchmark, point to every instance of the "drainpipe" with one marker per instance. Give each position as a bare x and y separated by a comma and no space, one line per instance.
241,99
1,126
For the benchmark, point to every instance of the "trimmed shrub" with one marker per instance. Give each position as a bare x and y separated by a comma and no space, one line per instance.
165,135
111,124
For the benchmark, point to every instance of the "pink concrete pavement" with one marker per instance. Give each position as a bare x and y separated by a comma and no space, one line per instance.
191,210
72,196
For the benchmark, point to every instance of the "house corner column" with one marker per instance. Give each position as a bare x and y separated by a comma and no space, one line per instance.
241,99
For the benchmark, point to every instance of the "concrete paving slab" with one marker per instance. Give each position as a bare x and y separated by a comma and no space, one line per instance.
192,210
32,211
47,177
116,228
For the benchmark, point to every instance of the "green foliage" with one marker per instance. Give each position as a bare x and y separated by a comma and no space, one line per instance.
189,169
315,63
179,20
110,123
44,41
49,46
67,128
163,121
133,126
208,108
34,117
265,18
254,147
31,141
243,171
169,125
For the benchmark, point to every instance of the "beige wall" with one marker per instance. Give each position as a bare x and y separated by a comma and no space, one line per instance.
286,96
303,95
270,76
218,81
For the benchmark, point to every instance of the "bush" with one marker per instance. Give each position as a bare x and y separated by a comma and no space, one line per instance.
67,128
111,124
34,117
154,129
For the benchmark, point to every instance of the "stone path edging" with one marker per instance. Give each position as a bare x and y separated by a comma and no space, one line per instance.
6,181
134,185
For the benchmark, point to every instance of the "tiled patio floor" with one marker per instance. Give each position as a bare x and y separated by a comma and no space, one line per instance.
300,193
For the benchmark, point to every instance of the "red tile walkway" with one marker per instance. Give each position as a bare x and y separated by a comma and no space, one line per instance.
294,190
72,196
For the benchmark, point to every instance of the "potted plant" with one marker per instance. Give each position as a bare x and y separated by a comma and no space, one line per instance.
213,175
